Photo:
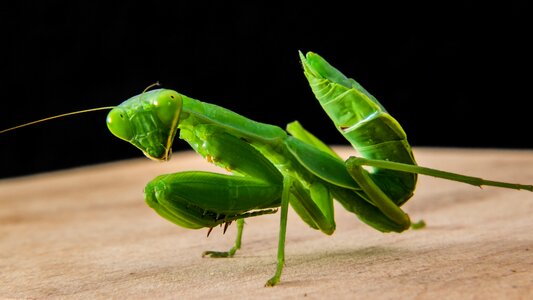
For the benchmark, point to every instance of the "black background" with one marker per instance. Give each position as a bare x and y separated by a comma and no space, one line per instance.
455,75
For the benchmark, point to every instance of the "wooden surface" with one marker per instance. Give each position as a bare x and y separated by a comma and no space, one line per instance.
87,233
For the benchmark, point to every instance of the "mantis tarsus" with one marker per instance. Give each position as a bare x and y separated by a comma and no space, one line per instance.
273,168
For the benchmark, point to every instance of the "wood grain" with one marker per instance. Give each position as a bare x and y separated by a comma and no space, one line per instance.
87,233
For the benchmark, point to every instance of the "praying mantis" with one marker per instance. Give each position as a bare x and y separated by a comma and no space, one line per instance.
271,167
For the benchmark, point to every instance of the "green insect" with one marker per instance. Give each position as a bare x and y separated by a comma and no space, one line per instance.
272,168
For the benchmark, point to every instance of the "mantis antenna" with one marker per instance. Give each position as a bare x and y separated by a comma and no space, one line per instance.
72,113
151,86
56,117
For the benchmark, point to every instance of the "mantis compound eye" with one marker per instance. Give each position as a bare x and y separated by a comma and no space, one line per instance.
168,107
119,124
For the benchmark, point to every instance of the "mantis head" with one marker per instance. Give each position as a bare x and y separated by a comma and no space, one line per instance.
148,121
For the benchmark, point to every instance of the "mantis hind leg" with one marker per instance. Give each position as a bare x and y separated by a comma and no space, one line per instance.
476,181
377,196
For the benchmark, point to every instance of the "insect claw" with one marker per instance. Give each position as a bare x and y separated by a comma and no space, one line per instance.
209,231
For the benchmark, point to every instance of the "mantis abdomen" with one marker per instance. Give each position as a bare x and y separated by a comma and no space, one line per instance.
361,119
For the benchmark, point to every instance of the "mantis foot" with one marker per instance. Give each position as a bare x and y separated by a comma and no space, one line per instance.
272,281
231,252
418,225
220,254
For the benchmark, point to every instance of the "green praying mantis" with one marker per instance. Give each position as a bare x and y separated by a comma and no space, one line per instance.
272,168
